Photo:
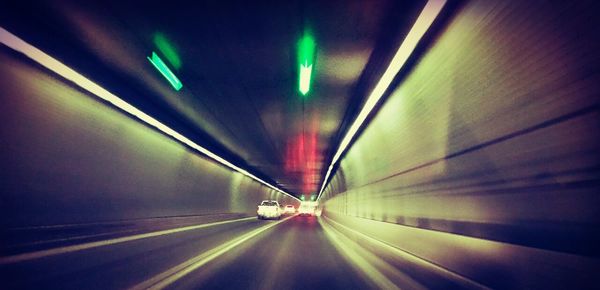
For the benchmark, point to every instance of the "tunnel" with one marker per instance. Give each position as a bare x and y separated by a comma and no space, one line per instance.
299,144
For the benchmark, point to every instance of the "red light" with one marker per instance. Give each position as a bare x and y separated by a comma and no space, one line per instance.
302,156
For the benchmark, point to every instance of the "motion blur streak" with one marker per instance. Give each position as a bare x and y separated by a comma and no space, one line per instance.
54,65
461,137
430,12
346,249
160,65
412,258
85,246
491,163
171,275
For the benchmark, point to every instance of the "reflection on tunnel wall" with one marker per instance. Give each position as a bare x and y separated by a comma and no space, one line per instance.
68,158
493,134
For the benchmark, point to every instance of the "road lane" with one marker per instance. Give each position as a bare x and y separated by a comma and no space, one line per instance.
119,265
38,238
294,255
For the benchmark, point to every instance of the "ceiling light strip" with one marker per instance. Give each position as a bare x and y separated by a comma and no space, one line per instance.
56,66
429,13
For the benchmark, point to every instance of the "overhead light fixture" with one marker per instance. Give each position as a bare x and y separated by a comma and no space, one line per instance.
160,65
305,74
66,72
306,56
429,13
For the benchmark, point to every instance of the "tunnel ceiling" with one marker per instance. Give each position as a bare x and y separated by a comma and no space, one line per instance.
238,65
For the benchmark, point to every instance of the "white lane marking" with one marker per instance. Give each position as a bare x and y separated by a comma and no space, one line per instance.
358,262
84,246
414,258
175,273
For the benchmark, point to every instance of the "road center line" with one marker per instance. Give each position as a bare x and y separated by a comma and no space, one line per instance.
85,246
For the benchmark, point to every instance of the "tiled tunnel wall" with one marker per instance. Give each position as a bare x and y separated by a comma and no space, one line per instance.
485,158
70,158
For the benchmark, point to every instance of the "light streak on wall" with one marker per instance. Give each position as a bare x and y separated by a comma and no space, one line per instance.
429,13
66,72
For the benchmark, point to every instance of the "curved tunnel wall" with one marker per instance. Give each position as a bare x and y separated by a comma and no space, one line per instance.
69,158
484,160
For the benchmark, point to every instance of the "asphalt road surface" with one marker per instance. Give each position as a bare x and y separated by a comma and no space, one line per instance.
294,253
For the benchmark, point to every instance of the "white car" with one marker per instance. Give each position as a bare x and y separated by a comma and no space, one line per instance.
307,208
289,209
268,209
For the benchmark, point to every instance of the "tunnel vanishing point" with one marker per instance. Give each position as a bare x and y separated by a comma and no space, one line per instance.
432,144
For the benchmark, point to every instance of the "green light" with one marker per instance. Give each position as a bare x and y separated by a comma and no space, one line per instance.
313,197
17,44
306,56
165,71
306,49
302,197
167,49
